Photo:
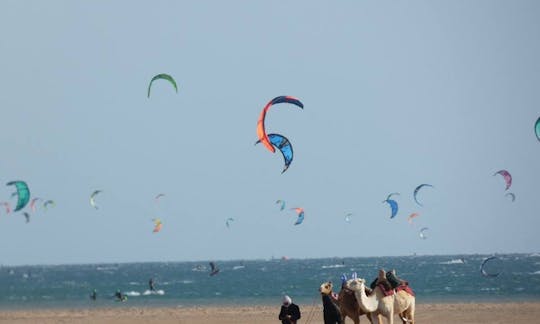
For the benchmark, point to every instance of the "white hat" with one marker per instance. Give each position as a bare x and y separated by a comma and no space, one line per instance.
287,300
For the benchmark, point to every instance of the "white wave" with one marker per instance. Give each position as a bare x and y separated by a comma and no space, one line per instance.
155,292
534,255
187,282
453,261
536,272
107,268
333,266
489,289
133,283
132,293
238,267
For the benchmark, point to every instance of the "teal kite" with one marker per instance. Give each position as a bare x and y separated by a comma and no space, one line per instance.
23,193
164,77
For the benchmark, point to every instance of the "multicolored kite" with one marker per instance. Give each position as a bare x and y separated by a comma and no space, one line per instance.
300,212
261,131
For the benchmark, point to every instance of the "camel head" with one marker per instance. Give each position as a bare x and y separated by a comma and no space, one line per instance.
357,284
326,288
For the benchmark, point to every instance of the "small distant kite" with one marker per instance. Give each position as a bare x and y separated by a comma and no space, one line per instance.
159,196
411,216
162,76
511,195
483,272
33,204
92,198
7,207
49,203
23,193
27,216
393,206
537,128
214,270
281,204
348,217
422,233
506,176
261,131
300,212
228,221
157,225
284,146
418,189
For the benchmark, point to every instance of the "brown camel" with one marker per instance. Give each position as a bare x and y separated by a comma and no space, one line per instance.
348,305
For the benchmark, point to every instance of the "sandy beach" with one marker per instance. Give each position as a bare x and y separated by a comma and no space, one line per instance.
526,312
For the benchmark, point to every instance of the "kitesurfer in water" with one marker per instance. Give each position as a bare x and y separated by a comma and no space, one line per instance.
93,296
119,296
151,284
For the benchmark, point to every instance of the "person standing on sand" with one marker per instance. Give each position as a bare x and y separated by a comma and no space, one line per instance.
290,313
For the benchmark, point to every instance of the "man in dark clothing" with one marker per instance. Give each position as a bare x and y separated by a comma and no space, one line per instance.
290,313
331,313
151,284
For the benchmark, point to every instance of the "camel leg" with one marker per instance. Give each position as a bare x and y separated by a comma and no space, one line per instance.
391,317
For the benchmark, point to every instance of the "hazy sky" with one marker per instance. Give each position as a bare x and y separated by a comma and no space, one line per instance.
396,93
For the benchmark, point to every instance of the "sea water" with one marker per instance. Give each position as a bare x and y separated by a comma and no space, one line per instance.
453,278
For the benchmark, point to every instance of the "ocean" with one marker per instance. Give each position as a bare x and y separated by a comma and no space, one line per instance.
443,278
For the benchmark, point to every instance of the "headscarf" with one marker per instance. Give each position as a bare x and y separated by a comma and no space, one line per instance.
287,300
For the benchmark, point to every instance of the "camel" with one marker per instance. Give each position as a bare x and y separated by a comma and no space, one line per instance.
401,303
346,300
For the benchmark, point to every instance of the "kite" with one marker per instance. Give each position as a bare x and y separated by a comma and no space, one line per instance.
422,235
418,189
33,204
507,177
27,216
483,272
261,131
157,225
47,203
300,212
164,77
92,200
282,204
348,217
159,196
228,221
511,195
411,216
214,270
23,193
393,205
6,205
284,146
537,128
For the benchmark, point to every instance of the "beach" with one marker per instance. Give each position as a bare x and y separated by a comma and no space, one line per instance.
514,312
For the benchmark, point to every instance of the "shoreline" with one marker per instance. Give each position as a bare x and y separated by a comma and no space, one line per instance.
517,312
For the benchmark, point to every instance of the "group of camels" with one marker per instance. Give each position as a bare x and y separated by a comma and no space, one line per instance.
353,302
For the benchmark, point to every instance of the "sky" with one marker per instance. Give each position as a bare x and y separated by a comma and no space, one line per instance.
395,93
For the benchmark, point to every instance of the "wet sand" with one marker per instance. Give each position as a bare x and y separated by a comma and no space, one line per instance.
526,312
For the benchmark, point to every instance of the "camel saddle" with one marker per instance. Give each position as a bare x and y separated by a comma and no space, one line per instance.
406,288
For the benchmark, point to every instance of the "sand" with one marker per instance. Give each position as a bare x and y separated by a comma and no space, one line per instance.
526,312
